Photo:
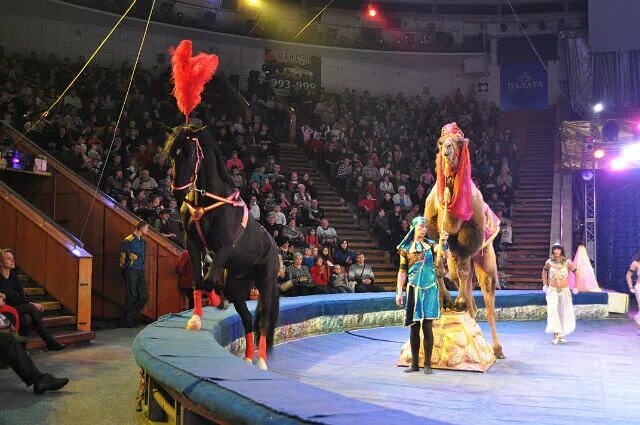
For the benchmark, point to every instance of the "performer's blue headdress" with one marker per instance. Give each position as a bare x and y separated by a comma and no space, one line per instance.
408,239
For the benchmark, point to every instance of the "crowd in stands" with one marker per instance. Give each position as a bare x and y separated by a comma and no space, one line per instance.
380,153
136,172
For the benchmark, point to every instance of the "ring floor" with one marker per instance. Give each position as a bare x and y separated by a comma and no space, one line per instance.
593,379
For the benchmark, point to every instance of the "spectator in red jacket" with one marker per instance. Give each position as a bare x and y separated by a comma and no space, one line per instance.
321,275
367,206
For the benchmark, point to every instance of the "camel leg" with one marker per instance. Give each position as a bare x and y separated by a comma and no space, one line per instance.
445,296
487,273
460,270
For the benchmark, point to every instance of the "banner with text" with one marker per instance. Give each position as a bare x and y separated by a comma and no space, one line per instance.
292,73
523,86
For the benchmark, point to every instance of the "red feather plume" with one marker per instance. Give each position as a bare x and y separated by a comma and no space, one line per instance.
189,75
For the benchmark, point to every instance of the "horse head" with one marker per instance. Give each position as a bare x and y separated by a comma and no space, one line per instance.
185,152
189,148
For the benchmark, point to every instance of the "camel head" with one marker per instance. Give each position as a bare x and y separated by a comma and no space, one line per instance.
450,146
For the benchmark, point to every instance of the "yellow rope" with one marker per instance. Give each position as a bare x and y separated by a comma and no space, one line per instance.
124,104
93,55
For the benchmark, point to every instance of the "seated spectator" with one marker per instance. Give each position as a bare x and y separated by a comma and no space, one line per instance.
273,228
308,259
30,313
419,198
387,203
320,272
281,219
343,255
505,178
13,354
302,199
339,280
386,186
382,230
297,214
362,274
291,232
495,203
326,235
311,239
325,253
285,251
144,182
344,174
313,214
401,198
259,176
285,203
237,178
302,280
368,206
415,212
167,228
254,208
234,161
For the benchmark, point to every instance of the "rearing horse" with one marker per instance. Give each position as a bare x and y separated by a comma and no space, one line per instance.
218,226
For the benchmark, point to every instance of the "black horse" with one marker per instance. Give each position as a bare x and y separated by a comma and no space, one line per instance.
219,229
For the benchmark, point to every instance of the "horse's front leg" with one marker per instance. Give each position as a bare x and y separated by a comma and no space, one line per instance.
195,323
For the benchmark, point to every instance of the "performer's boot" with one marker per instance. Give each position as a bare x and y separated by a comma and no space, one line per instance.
428,349
414,342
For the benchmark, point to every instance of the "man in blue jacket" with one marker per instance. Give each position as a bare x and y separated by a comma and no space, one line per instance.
132,260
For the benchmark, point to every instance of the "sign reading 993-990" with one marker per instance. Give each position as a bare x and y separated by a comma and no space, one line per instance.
291,73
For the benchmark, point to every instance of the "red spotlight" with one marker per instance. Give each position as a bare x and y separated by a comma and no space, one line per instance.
598,153
372,11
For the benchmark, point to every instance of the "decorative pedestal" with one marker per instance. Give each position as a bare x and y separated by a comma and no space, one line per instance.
458,345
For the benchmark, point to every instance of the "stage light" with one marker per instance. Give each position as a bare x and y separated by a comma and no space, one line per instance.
253,3
631,152
598,153
587,175
372,12
598,107
618,164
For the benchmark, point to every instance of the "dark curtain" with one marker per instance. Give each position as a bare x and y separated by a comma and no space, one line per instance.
575,51
618,225
609,77
616,78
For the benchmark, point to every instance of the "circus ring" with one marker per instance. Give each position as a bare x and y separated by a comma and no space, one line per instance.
197,378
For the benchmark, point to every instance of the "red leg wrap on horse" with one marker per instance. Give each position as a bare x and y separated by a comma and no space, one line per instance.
214,299
250,346
197,302
262,349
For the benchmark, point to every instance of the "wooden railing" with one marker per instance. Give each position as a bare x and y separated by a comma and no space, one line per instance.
239,105
48,254
68,199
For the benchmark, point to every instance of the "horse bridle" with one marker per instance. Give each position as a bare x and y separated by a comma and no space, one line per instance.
196,211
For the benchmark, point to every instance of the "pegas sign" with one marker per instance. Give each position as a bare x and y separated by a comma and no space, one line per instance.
523,86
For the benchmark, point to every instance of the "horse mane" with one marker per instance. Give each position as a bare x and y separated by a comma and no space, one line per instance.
210,146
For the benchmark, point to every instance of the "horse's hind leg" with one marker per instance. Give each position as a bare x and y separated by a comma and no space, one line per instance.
487,274
237,291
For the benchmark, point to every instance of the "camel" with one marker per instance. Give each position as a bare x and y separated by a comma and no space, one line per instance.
471,226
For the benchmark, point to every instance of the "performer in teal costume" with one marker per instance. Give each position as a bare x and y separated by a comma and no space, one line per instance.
417,270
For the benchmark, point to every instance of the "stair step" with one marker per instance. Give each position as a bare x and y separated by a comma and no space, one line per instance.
65,337
59,321
33,291
51,305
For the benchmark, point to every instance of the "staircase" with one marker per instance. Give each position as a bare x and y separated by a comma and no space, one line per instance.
60,322
293,158
532,210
